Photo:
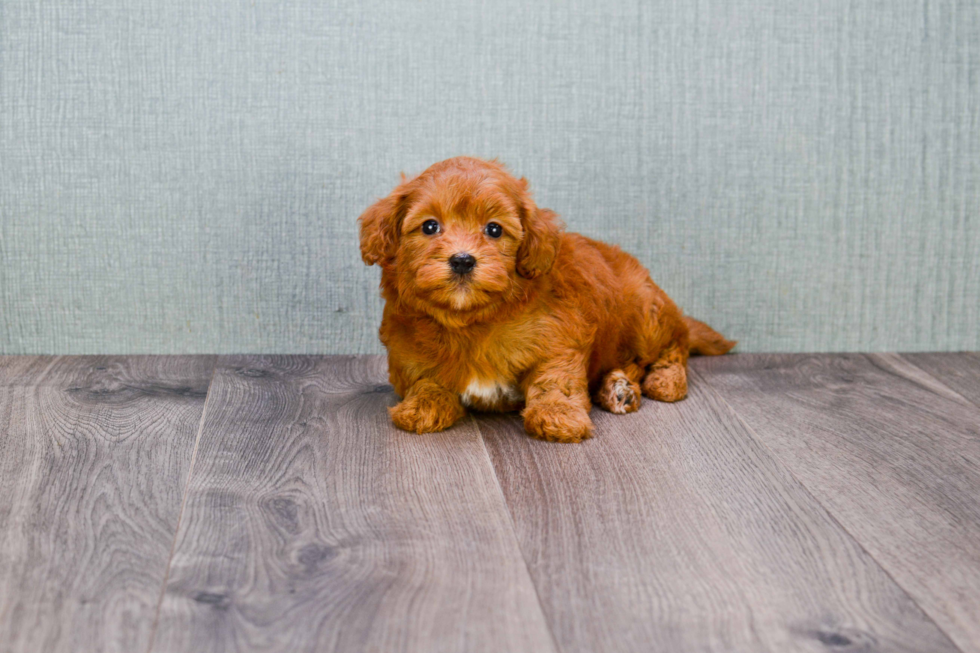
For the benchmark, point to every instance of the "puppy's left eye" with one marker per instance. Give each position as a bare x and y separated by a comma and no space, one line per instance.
493,230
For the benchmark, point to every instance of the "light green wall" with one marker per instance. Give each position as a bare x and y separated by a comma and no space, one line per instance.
185,176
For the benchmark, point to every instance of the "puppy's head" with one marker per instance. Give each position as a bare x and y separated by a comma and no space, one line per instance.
461,237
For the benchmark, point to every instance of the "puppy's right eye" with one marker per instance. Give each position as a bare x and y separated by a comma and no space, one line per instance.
430,227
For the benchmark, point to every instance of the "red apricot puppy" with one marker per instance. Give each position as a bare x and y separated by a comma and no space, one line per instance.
490,305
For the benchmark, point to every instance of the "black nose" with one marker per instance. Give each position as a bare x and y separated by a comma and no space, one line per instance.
461,263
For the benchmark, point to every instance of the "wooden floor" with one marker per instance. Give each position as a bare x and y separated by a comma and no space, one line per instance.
792,503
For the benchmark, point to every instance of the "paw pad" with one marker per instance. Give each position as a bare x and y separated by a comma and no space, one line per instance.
619,395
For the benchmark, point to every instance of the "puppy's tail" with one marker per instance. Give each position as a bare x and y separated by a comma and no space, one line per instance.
706,341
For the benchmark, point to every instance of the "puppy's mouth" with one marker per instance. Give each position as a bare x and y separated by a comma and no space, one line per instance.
463,291
459,293
461,282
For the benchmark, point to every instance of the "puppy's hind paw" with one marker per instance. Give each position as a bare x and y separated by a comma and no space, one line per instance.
666,383
618,394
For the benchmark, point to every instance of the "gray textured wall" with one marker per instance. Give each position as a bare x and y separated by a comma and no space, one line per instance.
185,176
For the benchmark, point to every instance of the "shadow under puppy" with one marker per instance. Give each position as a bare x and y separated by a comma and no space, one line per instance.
490,305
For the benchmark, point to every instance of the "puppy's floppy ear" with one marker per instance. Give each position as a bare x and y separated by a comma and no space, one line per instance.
381,226
542,236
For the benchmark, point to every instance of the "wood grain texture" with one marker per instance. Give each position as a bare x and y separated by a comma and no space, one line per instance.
311,524
892,454
960,372
94,454
674,530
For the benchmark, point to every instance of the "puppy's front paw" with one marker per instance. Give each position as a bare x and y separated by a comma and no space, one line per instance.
426,412
557,421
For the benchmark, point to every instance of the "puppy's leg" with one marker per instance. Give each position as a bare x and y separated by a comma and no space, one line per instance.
427,407
620,393
558,401
667,378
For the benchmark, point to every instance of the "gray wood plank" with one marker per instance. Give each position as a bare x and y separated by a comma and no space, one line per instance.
959,371
674,530
94,455
311,523
22,370
893,455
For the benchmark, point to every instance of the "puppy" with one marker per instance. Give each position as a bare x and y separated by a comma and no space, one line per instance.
489,305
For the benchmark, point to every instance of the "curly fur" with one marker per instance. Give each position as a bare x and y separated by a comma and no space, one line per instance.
545,321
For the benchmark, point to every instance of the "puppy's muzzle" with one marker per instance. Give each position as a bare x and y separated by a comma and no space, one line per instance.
462,263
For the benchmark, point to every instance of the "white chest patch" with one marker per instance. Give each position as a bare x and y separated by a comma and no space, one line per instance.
489,393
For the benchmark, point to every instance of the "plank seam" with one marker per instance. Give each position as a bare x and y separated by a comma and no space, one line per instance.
830,515
966,401
513,534
183,504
